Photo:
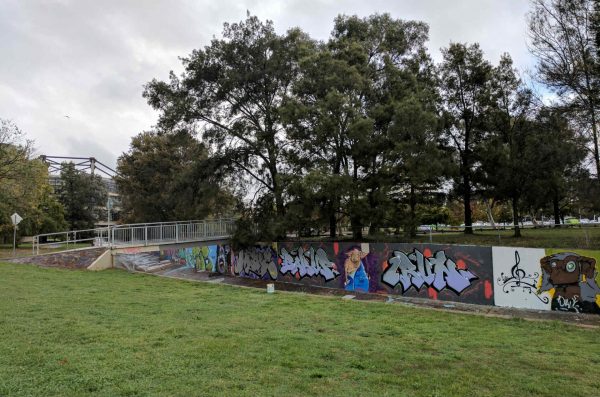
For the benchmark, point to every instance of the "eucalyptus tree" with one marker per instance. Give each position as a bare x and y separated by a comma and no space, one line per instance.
342,108
564,38
24,186
171,176
15,149
559,152
233,90
419,161
510,149
465,83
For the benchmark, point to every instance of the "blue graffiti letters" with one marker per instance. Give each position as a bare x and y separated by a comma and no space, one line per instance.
416,270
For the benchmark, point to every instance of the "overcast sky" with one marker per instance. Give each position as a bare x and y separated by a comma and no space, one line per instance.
89,59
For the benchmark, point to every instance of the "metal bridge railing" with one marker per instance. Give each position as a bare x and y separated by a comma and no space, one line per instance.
71,239
139,234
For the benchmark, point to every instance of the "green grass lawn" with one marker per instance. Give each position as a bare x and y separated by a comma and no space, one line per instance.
72,333
575,237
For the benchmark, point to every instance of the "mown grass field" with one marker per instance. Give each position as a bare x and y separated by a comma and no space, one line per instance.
574,237
74,333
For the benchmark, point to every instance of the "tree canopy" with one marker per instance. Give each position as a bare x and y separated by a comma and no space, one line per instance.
364,130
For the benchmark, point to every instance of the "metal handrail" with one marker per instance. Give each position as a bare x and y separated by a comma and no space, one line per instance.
99,236
172,222
143,233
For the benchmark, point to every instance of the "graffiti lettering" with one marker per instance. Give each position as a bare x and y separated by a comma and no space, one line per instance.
222,260
258,261
307,263
415,270
566,304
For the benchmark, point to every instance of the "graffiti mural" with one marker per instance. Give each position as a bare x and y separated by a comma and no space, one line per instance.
210,258
454,273
531,278
570,279
257,262
137,261
447,273
333,265
517,276
180,258
437,271
357,278
309,263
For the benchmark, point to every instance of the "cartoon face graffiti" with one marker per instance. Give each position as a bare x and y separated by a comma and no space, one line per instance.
356,275
570,278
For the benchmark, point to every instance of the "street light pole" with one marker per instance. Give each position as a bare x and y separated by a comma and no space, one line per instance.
108,203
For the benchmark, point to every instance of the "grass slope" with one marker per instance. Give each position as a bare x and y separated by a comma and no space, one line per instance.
113,333
581,238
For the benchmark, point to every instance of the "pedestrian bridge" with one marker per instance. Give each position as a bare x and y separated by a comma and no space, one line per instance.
138,234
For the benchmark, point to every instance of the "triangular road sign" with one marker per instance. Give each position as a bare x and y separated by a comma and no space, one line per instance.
16,218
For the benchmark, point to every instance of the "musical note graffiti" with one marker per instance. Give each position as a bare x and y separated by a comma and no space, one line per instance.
520,279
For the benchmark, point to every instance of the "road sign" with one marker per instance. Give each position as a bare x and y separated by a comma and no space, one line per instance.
15,218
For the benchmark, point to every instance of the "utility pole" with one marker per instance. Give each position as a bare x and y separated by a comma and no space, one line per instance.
108,207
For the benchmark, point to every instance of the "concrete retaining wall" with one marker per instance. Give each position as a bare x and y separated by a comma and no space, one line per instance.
551,279
530,278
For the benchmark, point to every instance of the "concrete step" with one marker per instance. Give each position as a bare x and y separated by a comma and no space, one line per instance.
155,267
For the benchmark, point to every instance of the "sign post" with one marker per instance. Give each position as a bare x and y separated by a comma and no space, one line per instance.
16,219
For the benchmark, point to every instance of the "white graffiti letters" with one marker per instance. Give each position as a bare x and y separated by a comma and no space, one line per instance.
416,270
307,263
567,305
258,261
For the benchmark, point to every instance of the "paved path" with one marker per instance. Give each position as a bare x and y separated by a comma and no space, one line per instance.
73,259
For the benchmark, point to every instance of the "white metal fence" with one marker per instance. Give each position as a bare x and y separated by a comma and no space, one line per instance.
137,234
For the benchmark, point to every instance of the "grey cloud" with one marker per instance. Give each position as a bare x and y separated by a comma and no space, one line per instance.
90,59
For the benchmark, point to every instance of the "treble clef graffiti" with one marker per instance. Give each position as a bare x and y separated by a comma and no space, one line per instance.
519,278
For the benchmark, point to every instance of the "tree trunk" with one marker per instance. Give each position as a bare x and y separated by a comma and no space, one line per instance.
411,224
279,208
467,204
490,214
375,219
356,226
595,139
335,203
332,224
277,188
515,205
556,208
355,222
278,194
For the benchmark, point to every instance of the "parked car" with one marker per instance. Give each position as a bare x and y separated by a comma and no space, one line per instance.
425,228
569,220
